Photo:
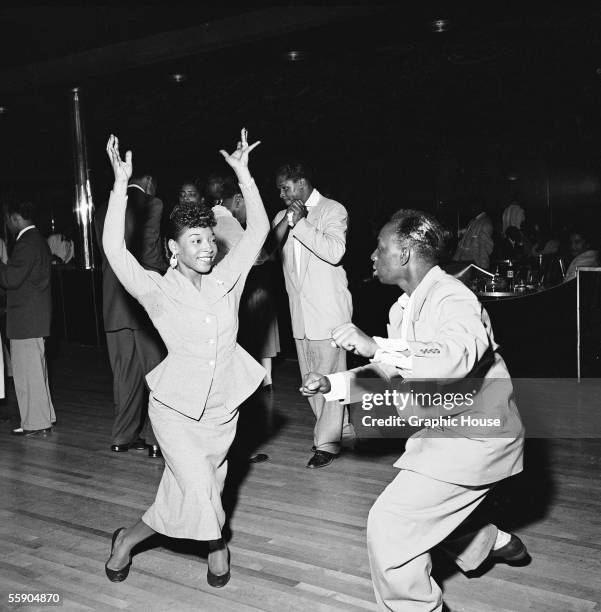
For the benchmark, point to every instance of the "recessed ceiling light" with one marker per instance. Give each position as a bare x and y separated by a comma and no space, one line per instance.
178,77
440,25
295,56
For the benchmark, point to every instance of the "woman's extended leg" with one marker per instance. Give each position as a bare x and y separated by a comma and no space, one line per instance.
124,543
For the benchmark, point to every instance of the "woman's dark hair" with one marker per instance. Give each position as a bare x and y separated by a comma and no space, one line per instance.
421,230
194,182
187,215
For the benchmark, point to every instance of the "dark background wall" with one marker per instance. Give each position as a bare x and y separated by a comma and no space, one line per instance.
391,113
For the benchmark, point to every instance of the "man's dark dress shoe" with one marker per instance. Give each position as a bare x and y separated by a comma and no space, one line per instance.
30,433
321,459
121,574
259,458
513,552
139,444
119,448
219,580
154,452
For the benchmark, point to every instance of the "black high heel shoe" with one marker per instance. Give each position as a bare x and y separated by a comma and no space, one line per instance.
219,580
121,574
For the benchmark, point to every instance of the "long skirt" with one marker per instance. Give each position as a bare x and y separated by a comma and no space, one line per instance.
188,500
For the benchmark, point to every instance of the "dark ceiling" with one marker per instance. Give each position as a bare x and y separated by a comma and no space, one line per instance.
386,108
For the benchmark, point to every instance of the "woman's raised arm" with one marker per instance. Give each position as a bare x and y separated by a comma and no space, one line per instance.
242,257
129,272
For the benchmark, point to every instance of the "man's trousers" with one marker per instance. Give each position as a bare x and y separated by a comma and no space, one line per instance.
332,422
414,514
30,375
133,353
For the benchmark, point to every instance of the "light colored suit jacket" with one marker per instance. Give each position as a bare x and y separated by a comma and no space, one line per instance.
228,231
450,337
477,243
319,298
199,328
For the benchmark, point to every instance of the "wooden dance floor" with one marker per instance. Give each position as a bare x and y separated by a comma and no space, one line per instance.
298,535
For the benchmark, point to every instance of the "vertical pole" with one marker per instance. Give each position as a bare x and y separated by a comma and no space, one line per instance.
548,194
578,330
84,206
83,195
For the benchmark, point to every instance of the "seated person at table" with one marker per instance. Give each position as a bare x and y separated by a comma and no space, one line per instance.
513,245
582,252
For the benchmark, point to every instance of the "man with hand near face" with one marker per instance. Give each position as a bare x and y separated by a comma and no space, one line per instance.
311,234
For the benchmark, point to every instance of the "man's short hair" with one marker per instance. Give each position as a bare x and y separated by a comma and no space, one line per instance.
230,187
421,231
294,171
26,208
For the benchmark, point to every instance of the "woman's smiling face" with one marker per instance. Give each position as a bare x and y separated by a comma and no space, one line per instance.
196,249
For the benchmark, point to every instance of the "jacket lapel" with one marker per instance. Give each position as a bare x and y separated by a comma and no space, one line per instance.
183,290
422,292
314,214
289,261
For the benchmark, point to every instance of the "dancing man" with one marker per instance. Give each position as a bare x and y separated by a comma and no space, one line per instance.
438,330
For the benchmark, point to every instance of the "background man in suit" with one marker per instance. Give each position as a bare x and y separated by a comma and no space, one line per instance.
477,242
134,347
311,233
438,330
26,277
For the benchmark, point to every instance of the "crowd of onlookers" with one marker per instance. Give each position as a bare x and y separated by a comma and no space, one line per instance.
557,252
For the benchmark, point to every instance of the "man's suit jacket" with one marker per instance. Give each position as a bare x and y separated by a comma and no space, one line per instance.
319,298
477,243
450,338
26,277
143,239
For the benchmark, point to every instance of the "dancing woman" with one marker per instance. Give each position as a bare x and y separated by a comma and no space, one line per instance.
196,390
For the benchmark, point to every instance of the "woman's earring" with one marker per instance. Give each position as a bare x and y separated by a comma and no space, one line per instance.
173,260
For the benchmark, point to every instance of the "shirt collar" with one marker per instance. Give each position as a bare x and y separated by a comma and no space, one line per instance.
134,186
25,229
313,198
431,276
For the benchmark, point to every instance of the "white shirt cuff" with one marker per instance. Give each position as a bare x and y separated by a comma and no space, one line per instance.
338,387
398,360
391,352
392,345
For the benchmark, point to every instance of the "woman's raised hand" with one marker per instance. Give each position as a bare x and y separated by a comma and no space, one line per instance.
239,158
121,168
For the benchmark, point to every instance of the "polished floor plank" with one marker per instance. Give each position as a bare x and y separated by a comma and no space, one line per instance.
298,535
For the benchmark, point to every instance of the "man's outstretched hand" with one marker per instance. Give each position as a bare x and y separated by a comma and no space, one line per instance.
315,383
